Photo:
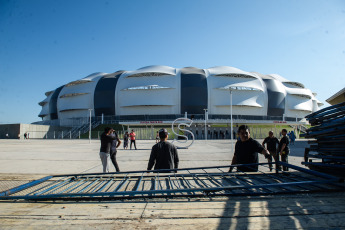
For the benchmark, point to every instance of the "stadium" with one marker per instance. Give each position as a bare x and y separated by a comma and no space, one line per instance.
161,93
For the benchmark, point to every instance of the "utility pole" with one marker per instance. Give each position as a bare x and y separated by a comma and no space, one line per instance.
90,127
231,128
205,133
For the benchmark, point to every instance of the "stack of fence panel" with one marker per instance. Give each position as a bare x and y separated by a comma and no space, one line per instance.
327,152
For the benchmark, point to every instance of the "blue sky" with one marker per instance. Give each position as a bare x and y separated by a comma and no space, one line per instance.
47,43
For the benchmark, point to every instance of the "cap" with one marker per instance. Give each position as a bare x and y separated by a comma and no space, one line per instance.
163,132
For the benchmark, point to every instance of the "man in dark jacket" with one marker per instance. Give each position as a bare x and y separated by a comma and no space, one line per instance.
271,141
284,149
104,152
163,154
246,151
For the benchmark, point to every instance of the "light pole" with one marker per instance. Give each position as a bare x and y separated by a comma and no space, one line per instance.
231,129
90,127
205,133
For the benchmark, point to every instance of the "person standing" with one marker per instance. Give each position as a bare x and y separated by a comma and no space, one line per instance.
246,151
125,140
114,145
132,137
157,137
163,154
104,152
271,142
292,137
284,149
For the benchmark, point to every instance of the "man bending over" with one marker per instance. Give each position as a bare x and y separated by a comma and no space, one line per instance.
246,151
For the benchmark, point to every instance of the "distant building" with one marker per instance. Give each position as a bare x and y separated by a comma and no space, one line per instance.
155,93
337,98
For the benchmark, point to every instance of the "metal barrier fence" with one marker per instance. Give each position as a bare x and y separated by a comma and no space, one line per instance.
142,134
149,133
188,182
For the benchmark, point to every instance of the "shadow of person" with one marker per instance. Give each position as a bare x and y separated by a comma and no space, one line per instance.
307,211
235,214
295,211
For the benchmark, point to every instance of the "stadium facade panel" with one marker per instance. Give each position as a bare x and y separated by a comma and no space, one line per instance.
167,92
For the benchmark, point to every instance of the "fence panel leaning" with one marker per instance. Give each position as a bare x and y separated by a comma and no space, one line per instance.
328,149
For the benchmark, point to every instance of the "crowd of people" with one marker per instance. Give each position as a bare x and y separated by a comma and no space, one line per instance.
164,154
247,149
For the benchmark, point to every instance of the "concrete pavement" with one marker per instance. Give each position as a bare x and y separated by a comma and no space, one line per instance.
50,157
25,160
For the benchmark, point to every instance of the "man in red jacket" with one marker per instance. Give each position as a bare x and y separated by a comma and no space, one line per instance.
132,137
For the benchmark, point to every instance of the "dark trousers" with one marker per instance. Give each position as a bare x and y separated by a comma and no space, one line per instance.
274,155
285,159
135,146
113,159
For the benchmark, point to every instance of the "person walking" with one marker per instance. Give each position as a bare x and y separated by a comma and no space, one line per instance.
104,152
271,141
114,145
125,140
283,148
132,137
246,151
163,155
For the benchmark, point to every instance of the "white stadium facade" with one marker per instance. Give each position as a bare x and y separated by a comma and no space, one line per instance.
163,93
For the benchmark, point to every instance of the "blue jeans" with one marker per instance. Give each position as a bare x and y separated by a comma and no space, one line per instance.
105,161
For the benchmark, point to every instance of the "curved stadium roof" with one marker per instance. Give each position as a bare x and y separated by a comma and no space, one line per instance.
163,90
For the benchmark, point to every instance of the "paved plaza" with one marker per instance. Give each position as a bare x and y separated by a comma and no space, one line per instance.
25,160
47,157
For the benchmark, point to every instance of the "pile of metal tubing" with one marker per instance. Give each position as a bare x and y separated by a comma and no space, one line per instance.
327,151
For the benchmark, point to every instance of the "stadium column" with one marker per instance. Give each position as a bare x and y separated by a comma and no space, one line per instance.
194,94
104,97
276,97
53,111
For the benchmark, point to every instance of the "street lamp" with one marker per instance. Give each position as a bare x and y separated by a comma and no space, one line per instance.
231,88
231,128
90,127
205,133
